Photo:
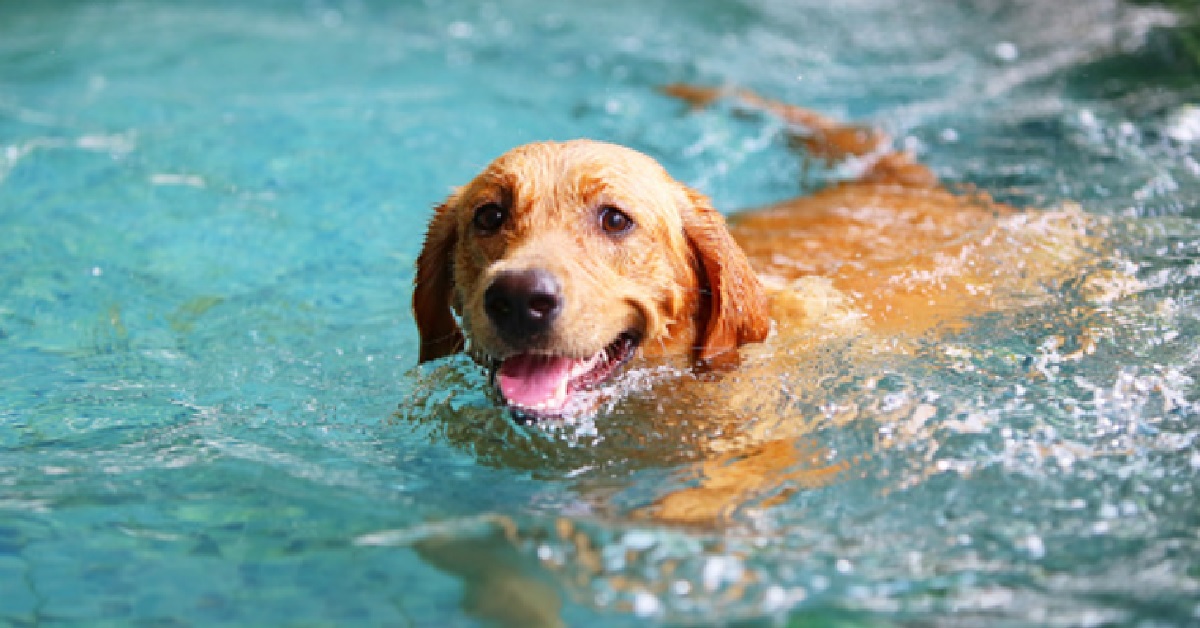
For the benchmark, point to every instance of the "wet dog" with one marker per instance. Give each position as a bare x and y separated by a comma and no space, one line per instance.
563,263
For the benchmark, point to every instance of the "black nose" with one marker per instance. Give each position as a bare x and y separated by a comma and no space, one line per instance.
522,303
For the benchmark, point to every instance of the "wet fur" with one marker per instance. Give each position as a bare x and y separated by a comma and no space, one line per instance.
884,259
878,261
677,278
891,252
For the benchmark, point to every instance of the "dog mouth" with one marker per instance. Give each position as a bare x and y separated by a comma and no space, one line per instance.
541,386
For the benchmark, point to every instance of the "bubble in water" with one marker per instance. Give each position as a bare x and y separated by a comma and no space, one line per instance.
1034,545
646,604
1183,124
1006,51
460,30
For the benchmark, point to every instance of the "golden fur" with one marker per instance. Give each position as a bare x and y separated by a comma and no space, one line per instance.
891,251
890,256
649,280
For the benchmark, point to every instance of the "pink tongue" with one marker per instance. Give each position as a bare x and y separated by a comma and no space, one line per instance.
535,381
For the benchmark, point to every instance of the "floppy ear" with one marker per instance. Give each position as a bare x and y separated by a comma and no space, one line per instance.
433,288
735,311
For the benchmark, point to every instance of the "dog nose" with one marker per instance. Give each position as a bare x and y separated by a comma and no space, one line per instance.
522,303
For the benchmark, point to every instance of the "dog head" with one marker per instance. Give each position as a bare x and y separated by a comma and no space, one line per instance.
562,261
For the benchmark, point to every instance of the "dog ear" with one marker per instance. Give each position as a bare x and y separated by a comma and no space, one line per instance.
734,311
434,285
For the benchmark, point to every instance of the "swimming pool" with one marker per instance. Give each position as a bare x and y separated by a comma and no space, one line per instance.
209,410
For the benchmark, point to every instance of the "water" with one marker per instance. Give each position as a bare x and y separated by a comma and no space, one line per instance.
208,405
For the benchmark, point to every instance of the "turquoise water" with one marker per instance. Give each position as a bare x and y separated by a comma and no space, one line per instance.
209,410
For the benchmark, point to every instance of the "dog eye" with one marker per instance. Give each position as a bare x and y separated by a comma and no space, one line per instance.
489,217
614,221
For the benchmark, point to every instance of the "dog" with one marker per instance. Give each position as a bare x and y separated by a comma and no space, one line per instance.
563,265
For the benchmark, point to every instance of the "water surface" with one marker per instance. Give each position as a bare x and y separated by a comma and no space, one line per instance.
208,405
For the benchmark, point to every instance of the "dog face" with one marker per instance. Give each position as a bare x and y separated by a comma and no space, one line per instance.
564,261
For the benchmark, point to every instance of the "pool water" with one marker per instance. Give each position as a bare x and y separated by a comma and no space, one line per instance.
209,404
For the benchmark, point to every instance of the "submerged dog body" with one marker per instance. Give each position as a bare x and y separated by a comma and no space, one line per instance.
562,262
